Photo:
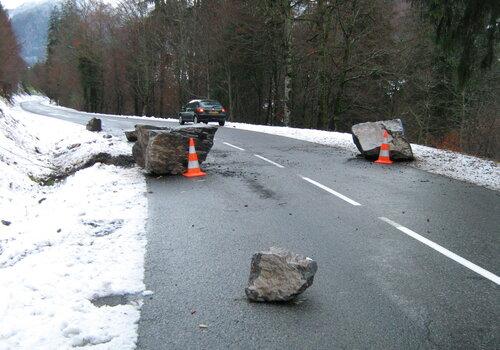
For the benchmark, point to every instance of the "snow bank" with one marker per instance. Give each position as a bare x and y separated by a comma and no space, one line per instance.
452,164
459,166
64,245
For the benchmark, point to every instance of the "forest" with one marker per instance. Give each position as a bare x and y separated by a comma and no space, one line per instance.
323,64
12,66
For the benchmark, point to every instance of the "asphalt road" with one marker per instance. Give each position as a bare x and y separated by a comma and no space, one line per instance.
378,285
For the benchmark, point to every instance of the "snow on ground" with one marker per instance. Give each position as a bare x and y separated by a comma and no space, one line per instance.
459,166
64,245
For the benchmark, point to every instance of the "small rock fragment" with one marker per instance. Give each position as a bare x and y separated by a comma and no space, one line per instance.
279,275
75,145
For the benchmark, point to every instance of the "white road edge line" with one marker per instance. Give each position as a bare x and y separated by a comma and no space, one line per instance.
329,190
486,274
227,143
269,161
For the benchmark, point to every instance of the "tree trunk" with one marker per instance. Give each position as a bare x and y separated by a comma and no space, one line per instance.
287,82
269,102
324,93
229,92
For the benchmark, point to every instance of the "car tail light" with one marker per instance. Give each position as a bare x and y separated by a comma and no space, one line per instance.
200,110
223,110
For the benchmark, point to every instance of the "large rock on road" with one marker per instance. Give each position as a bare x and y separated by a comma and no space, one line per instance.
163,151
131,136
369,136
279,275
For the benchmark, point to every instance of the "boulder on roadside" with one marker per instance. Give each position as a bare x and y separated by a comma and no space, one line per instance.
94,124
131,135
279,275
163,151
369,136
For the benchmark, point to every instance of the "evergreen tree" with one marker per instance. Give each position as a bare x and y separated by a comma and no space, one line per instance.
468,29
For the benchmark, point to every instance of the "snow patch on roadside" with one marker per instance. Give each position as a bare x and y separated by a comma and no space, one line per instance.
63,245
458,166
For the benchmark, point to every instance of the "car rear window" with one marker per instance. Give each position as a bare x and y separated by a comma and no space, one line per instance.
210,104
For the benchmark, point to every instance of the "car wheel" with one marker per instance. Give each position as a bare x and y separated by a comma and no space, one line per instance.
222,122
181,121
195,120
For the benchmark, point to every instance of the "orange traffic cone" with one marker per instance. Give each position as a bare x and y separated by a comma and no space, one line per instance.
383,157
193,165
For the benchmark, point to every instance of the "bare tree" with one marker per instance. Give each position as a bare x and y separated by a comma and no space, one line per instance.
11,64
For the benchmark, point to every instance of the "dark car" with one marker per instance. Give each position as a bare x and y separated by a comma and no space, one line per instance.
203,111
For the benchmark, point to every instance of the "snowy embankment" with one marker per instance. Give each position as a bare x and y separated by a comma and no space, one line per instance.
65,244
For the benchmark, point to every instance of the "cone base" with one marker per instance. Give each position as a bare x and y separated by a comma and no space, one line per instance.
195,173
384,161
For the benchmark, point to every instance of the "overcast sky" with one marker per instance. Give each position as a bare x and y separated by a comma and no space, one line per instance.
10,4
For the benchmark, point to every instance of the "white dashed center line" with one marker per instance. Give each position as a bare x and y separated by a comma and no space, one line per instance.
329,190
464,262
269,161
230,145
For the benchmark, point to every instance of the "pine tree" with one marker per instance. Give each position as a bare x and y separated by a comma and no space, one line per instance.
53,31
467,29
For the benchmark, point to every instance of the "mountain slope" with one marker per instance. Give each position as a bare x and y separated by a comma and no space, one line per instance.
30,24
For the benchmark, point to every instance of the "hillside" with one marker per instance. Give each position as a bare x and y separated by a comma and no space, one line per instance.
30,24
